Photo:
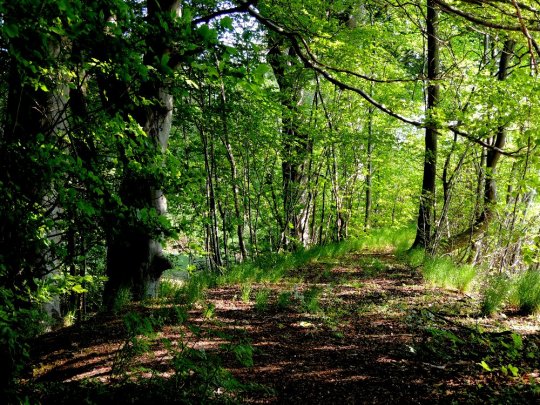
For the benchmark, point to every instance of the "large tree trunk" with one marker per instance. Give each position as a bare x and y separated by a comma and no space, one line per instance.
296,146
135,258
427,198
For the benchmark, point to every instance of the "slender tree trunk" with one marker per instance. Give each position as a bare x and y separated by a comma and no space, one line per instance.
212,225
295,143
369,172
427,198
493,155
492,158
234,173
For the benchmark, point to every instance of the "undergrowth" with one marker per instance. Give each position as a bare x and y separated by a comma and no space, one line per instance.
506,358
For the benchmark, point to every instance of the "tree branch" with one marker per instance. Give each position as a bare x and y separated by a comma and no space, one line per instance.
300,46
207,18
472,18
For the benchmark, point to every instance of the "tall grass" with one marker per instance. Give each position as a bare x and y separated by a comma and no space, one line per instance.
387,239
521,291
526,293
496,293
443,272
274,267
187,291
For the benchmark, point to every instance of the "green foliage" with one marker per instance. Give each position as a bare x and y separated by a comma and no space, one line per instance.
505,353
140,330
245,292
522,291
170,289
244,354
273,267
123,298
415,257
397,240
284,300
76,175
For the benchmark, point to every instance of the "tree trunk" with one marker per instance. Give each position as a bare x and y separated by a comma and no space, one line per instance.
369,172
234,172
492,158
135,258
296,145
427,198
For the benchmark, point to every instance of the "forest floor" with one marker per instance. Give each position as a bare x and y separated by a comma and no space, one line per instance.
361,328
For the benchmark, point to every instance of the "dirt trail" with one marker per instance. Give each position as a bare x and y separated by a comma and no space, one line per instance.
355,350
341,331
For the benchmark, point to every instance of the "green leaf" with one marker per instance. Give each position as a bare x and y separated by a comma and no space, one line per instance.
165,59
518,341
11,30
514,370
227,23
58,30
79,289
485,365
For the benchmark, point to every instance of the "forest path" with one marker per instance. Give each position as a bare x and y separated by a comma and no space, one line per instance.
361,328
341,331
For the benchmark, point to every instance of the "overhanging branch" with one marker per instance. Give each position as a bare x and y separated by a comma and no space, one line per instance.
310,61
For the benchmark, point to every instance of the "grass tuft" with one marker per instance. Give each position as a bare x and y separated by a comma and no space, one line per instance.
262,298
311,300
526,294
495,295
284,300
443,272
